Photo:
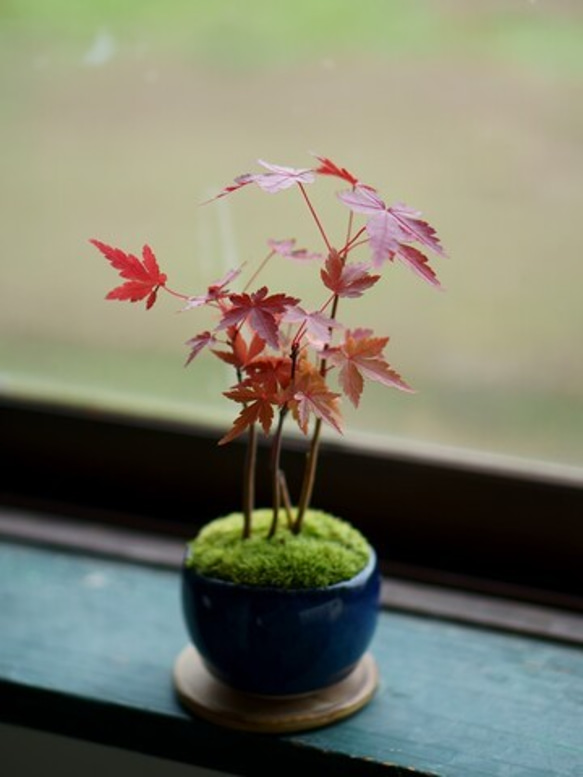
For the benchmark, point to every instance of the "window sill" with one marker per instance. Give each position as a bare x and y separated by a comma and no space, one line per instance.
452,519
89,642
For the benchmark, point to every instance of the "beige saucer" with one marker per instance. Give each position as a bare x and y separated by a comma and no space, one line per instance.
206,696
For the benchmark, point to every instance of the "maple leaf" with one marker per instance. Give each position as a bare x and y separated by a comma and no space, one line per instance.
318,327
346,280
241,353
359,357
311,394
418,262
279,177
271,372
385,237
363,199
384,232
260,311
238,183
143,277
197,344
327,167
411,223
215,291
391,228
286,249
258,407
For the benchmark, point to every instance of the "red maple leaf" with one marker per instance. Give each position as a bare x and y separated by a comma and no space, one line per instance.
258,407
418,262
260,310
327,167
311,395
143,277
238,183
271,372
346,280
359,357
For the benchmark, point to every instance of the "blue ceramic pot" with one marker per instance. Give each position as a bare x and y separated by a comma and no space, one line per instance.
278,641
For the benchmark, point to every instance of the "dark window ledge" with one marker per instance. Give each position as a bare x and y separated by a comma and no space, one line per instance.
439,601
88,644
468,521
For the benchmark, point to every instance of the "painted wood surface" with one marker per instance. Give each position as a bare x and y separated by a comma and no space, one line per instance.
87,647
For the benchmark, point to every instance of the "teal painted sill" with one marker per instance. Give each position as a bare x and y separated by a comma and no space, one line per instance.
87,647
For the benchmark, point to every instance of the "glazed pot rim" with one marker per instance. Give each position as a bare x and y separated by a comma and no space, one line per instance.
352,582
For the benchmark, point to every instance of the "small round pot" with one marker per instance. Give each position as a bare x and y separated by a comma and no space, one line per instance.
281,642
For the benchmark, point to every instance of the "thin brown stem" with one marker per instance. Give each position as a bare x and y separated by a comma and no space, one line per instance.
279,483
349,239
333,317
275,480
312,456
315,216
309,478
258,270
348,232
284,490
359,243
350,244
249,481
175,293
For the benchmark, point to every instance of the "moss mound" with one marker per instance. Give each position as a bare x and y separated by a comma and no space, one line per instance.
326,551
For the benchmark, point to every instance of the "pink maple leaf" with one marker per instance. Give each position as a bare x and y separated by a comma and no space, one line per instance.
286,248
279,177
197,344
359,357
346,280
215,291
390,229
260,310
317,326
362,200
418,230
275,180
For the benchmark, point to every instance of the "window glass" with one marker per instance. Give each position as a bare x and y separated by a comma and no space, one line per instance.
119,118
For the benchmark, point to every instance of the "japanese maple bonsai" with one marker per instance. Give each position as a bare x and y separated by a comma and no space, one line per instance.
285,358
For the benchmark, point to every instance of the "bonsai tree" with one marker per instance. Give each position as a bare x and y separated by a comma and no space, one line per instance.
292,363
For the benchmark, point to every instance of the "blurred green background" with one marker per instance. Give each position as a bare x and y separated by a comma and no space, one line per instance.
118,118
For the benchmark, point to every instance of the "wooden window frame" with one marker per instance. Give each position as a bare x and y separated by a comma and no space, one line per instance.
470,522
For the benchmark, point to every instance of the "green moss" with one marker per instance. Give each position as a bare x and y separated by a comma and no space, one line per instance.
326,551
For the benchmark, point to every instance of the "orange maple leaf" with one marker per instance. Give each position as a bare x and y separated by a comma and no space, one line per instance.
359,357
